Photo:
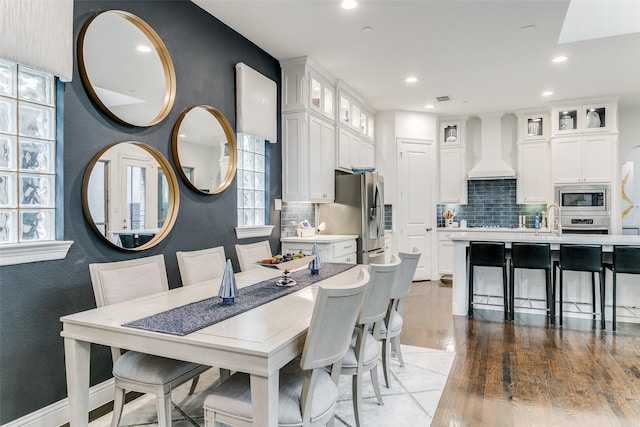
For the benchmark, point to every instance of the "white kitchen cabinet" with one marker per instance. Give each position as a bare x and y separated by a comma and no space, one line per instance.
583,159
584,117
307,159
533,173
353,151
354,114
307,87
453,171
328,251
445,253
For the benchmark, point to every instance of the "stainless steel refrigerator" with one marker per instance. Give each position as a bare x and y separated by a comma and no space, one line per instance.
359,210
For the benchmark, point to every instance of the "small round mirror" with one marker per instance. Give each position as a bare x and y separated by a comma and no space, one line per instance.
126,68
130,195
204,149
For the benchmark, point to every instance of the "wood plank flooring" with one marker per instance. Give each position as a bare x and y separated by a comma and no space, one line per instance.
525,373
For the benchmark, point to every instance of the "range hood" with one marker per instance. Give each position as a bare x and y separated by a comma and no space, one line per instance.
491,164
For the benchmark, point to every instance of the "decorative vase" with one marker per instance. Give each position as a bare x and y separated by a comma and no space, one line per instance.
314,265
228,289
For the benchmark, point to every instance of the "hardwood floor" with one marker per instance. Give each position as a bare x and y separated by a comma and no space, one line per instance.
525,373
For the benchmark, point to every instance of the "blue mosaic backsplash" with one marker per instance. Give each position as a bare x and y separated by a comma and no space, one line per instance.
292,214
491,202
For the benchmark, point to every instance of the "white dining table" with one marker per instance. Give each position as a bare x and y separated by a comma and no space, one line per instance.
259,341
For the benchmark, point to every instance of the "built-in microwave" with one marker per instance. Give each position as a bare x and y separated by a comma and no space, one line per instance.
587,198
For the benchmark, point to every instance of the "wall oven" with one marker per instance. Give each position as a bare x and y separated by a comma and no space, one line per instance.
584,209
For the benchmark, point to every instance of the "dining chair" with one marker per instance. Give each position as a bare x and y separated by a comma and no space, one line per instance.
391,327
252,252
308,392
119,281
362,356
201,265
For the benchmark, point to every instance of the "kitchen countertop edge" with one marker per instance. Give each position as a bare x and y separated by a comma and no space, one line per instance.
319,238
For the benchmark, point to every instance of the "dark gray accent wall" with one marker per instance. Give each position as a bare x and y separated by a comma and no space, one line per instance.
34,296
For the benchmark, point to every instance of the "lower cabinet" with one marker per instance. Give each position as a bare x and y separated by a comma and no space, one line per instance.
445,253
343,251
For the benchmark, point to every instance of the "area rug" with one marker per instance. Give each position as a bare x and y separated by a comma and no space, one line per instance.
411,399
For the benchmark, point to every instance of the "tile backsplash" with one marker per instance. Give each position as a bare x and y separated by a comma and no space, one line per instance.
292,214
491,202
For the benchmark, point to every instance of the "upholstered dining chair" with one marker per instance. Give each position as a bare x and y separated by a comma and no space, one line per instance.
115,282
201,265
362,356
308,391
391,328
250,253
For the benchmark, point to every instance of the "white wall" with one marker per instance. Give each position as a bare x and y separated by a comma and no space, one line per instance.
629,127
629,150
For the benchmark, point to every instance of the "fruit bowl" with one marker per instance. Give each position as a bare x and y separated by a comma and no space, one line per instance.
286,267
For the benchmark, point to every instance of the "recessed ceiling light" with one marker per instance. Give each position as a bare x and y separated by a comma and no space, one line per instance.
547,93
411,79
349,4
144,48
428,106
559,59
367,29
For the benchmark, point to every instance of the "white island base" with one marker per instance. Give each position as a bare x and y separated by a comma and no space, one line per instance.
530,286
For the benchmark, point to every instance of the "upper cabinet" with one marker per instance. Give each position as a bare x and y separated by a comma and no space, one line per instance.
354,114
584,117
307,87
533,184
453,161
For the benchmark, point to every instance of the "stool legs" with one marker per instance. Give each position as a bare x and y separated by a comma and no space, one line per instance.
505,294
613,302
470,309
512,299
593,293
602,294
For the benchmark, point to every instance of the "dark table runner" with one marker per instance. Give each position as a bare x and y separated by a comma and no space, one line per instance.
197,315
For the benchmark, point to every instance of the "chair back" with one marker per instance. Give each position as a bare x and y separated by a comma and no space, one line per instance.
626,259
406,271
531,255
378,294
252,252
581,258
487,254
332,322
199,266
119,281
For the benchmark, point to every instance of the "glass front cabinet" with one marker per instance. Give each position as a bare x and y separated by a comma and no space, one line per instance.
584,118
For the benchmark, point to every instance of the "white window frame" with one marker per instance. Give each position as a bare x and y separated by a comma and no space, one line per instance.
39,250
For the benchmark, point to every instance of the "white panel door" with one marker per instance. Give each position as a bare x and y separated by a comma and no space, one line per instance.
416,175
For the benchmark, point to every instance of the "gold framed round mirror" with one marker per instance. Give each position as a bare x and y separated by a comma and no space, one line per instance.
126,68
130,195
204,149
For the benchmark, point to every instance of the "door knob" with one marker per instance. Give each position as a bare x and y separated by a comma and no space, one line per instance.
428,228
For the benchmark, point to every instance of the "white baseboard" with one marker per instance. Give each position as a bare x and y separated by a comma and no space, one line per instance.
57,413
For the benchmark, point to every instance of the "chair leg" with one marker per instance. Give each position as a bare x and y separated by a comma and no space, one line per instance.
550,301
505,294
224,374
512,297
603,324
395,343
613,301
163,403
118,405
356,386
560,298
470,309
376,385
593,293
385,362
194,384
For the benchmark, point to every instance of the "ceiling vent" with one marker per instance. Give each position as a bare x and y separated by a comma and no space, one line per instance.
442,98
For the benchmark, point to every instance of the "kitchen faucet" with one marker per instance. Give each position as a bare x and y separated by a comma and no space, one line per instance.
555,227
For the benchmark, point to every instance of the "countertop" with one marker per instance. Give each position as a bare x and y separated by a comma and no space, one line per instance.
489,229
606,240
320,238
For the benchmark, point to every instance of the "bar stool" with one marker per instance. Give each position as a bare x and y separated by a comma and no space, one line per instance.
532,256
488,254
587,258
626,259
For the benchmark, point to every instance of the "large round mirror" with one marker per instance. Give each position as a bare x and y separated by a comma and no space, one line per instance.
130,195
204,149
126,68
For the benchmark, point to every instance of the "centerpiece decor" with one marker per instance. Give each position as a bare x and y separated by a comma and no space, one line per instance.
287,263
228,289
314,265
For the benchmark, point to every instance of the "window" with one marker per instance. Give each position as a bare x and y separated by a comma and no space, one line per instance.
253,191
27,159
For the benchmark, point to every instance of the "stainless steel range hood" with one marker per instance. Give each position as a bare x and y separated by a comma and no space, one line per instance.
492,164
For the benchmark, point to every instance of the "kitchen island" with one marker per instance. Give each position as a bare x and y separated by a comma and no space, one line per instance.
331,247
529,284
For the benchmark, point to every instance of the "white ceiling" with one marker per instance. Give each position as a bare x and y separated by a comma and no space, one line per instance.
485,55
